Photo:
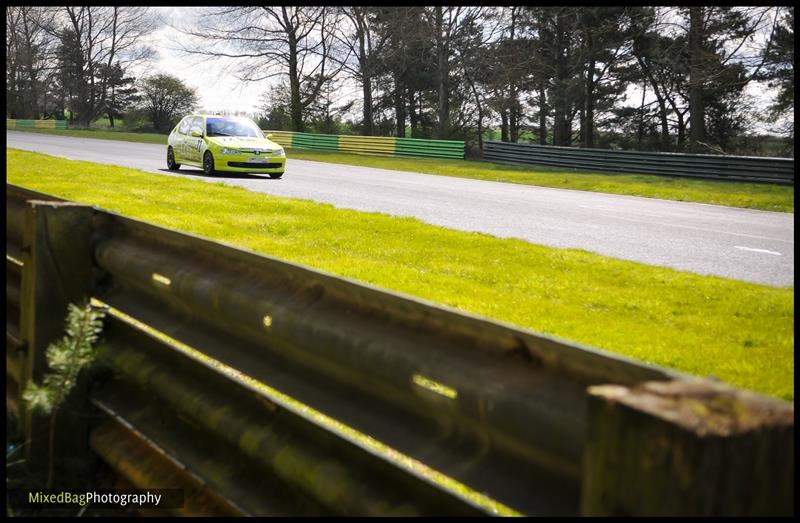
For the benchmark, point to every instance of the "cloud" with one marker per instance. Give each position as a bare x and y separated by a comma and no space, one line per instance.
217,89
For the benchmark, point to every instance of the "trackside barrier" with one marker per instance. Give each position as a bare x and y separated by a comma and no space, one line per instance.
36,124
739,168
377,145
264,387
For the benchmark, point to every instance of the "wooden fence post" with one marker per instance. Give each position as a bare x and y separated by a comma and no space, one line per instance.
687,447
57,271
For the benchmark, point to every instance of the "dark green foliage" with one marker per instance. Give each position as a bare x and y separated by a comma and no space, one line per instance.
166,99
66,357
779,64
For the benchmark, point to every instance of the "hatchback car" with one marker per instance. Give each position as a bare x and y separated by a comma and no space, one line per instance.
224,144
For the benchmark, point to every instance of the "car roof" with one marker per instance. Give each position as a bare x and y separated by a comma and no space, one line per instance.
216,116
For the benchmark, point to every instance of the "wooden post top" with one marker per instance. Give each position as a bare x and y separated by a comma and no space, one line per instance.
704,407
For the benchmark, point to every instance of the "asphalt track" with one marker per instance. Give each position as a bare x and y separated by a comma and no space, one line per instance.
743,244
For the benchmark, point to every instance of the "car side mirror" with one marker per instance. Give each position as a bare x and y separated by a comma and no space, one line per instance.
269,136
197,134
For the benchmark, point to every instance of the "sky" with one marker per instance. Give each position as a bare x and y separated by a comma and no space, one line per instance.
217,90
220,91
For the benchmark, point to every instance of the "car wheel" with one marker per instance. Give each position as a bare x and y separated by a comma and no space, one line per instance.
275,176
208,164
171,165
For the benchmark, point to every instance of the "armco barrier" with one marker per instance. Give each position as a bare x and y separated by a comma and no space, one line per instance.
287,391
741,168
378,145
36,124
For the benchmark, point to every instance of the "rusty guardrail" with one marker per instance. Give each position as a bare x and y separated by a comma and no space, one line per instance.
321,395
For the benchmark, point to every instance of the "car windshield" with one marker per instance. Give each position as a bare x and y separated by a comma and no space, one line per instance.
232,127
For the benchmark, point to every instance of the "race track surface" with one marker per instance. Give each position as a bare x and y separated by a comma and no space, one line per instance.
744,244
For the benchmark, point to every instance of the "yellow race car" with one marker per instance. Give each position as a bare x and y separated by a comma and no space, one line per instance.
224,144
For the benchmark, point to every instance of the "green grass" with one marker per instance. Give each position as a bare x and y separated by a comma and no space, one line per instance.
748,195
104,135
740,332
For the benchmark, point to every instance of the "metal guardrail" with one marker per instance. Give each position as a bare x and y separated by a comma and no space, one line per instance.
740,168
321,395
36,124
378,145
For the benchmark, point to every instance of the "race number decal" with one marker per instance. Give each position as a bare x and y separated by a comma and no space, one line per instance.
199,145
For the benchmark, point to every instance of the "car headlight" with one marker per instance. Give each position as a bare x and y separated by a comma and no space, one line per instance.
225,150
279,152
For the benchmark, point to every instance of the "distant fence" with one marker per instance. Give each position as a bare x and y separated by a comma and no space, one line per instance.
291,391
742,168
36,124
376,145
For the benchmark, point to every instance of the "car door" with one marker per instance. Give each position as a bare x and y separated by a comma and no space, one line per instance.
180,145
195,143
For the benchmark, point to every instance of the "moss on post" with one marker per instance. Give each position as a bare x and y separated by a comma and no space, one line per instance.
691,447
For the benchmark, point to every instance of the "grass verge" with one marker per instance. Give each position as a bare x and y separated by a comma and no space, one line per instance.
104,135
739,332
734,194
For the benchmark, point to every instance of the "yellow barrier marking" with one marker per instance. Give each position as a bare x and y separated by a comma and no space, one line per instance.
267,321
161,279
434,386
14,260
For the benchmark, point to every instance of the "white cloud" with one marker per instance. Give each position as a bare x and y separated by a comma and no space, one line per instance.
217,90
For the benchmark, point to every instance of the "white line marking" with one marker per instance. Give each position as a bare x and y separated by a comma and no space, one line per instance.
703,229
757,250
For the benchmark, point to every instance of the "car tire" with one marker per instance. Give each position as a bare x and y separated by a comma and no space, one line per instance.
275,176
208,164
171,165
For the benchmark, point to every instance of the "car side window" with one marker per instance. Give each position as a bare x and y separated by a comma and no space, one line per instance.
197,125
183,128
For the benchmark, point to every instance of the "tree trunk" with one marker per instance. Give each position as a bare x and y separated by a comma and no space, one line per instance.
400,106
697,131
111,107
587,134
681,131
513,97
367,84
295,104
640,131
412,113
560,129
504,125
542,114
443,77
662,105
480,110
513,116
366,75
33,109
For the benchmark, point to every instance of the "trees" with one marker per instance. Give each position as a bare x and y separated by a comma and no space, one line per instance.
562,75
288,42
122,91
165,98
405,67
717,71
696,62
359,38
90,41
779,65
28,48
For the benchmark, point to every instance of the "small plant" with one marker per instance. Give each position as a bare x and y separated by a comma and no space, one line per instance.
65,358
